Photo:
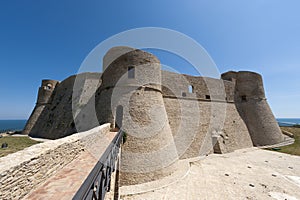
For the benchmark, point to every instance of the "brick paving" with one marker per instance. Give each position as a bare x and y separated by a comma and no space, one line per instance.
64,184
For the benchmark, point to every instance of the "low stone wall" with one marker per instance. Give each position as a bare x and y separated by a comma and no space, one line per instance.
22,171
287,133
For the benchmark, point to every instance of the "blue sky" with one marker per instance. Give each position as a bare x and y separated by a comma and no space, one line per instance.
50,39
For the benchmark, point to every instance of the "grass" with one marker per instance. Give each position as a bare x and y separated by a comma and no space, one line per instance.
15,143
293,149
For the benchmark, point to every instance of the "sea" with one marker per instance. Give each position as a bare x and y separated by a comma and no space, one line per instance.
12,125
17,125
288,121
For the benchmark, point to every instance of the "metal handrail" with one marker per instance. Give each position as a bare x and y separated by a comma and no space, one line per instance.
98,181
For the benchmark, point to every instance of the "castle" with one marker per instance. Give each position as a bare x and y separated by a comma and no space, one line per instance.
167,116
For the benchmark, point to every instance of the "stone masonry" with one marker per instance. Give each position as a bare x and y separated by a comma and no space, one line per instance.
166,116
24,170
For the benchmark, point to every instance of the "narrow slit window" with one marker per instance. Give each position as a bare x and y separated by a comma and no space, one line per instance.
191,89
131,72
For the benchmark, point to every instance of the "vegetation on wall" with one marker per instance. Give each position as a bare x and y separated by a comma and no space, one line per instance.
124,137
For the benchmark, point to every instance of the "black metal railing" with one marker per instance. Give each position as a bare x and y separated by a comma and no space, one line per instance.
98,181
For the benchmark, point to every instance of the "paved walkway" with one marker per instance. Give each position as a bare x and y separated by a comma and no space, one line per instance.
64,184
252,174
245,174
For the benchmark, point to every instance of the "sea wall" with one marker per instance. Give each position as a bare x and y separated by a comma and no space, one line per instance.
22,171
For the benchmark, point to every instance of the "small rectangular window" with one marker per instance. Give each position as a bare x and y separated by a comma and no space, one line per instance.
244,98
191,89
131,72
207,96
183,94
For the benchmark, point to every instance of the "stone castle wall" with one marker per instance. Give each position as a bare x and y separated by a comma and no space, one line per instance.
167,116
198,114
44,98
134,80
253,108
46,91
55,119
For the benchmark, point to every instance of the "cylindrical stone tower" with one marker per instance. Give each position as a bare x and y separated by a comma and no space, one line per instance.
44,98
254,109
45,91
113,54
135,104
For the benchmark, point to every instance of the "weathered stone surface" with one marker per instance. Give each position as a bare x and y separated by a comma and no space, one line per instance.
254,109
167,116
45,96
149,152
55,119
24,170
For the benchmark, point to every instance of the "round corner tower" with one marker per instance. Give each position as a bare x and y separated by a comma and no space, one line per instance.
130,98
253,107
44,97
45,91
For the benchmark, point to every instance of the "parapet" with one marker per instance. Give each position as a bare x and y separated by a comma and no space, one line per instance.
125,74
248,85
114,53
199,88
229,76
133,68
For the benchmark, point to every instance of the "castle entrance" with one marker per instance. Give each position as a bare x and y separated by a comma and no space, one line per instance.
119,117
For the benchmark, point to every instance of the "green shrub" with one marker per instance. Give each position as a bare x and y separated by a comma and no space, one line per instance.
296,125
124,137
